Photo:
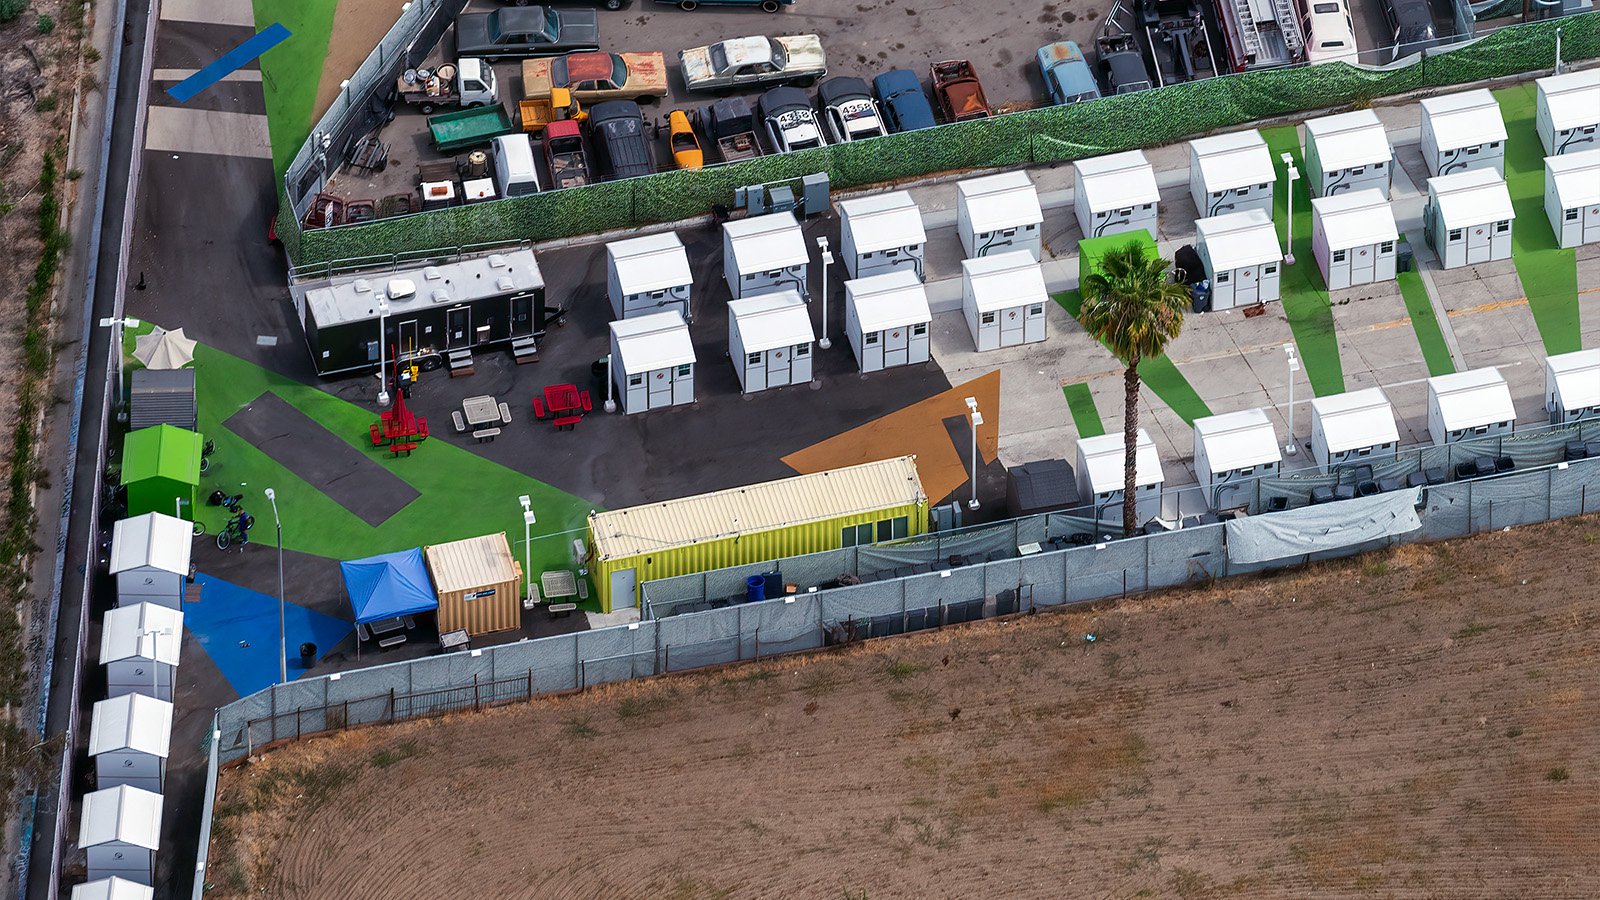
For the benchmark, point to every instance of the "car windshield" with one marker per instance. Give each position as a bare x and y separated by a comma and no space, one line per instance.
805,145
619,71
551,30
1325,8
683,140
719,57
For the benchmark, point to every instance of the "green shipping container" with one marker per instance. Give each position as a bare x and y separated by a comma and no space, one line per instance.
161,471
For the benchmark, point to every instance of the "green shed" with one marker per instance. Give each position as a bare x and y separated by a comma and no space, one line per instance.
161,471
1091,250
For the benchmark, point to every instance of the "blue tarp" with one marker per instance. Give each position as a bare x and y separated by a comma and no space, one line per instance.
389,585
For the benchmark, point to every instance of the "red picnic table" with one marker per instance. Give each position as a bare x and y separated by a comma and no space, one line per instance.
399,428
564,404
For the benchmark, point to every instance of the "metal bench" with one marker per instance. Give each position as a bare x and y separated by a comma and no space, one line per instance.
458,421
485,434
393,640
505,413
561,610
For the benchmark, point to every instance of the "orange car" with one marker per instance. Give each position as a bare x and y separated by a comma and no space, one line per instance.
685,144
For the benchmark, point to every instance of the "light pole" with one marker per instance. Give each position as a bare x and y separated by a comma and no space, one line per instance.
1294,366
383,373
283,637
119,322
977,419
611,380
155,659
1294,175
827,260
528,521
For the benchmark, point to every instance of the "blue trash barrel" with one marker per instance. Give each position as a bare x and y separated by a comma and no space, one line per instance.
755,589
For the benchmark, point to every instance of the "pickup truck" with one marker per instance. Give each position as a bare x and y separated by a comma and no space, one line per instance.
732,125
957,92
470,82
596,76
565,154
456,131
794,59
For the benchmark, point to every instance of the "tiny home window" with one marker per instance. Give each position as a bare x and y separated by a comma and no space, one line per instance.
750,276
987,318
1493,144
1270,268
1036,310
1473,151
635,380
1247,471
1386,247
1502,226
1364,451
1264,185
1148,206
891,253
657,295
1456,434
1358,170
1217,195
372,351
1377,167
856,534
683,370
753,359
1125,211
1009,232
912,248
1338,256
802,350
1031,226
1481,429
774,273
867,255
1239,191
1223,277
1455,234
871,338
1571,215
919,329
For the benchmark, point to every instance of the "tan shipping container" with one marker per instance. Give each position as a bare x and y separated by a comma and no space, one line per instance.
479,584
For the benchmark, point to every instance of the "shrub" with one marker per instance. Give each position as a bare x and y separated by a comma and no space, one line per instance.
11,10
47,23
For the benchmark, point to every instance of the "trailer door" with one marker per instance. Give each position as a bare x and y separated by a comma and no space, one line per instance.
458,327
521,315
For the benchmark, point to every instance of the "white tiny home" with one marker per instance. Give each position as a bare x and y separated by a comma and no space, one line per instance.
1353,236
764,255
1231,173
1567,112
769,341
1101,474
1572,197
1572,386
1348,152
1003,298
649,274
121,832
1467,405
1463,131
998,214
655,362
1230,452
1468,218
139,646
129,738
1354,427
112,888
1242,257
150,559
1116,194
886,318
881,233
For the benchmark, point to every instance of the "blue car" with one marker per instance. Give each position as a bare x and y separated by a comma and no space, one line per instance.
905,106
1066,73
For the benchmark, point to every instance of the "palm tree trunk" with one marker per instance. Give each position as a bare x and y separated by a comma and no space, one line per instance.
1130,446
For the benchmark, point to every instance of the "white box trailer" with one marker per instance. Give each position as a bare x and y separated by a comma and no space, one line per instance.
1572,197
655,362
1242,257
648,275
112,888
1003,298
886,318
881,233
1567,112
769,341
1231,173
129,739
150,559
1467,405
1231,451
1572,386
1116,194
120,832
764,255
999,214
1353,236
1348,152
139,646
1354,427
1468,218
1101,480
1463,131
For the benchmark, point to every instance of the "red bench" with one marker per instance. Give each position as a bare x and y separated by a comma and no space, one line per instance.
405,447
377,435
567,423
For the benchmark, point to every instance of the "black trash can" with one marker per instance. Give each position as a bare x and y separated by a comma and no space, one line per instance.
1404,256
308,655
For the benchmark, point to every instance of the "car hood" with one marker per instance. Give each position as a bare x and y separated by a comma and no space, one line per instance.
579,27
696,64
804,52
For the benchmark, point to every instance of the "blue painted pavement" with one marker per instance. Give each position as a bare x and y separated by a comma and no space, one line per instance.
238,629
230,62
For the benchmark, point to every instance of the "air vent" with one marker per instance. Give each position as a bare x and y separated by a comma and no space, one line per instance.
362,286
504,283
497,261
441,296
400,288
432,273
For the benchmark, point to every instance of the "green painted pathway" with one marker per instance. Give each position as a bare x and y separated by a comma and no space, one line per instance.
1305,294
1435,352
1548,273
1084,413
291,71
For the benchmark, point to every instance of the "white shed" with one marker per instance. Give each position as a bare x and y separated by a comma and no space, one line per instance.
649,274
764,255
1572,386
1231,173
1572,197
655,362
139,647
881,233
112,888
769,341
1242,257
1348,152
121,832
1468,218
1354,427
1230,452
1353,237
1004,298
150,559
1467,405
998,214
1115,194
1568,112
129,737
1463,131
886,317
1100,476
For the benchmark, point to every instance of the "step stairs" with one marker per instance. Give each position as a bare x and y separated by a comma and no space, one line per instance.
460,363
525,350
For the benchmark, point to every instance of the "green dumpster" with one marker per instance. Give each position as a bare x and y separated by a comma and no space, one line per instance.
161,471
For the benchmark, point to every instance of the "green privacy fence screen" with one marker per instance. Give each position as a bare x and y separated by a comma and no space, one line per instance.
1053,134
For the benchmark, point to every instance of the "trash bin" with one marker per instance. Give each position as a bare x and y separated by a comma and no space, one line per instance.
1404,256
755,589
308,655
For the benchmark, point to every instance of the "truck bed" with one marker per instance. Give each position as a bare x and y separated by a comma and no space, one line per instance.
454,131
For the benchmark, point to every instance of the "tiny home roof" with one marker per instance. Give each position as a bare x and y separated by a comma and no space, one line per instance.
121,815
1577,377
1004,280
892,300
650,263
154,541
1101,458
994,202
817,497
131,722
764,243
883,221
770,321
1355,419
1573,99
1237,440
112,888
1471,197
1349,140
1472,398
1576,177
1237,239
1466,119
1233,160
1355,218
161,451
1117,180
124,633
355,298
657,341
471,563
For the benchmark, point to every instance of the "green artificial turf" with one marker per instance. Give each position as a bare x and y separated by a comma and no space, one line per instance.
1161,375
1423,321
1548,273
1305,294
291,71
1084,414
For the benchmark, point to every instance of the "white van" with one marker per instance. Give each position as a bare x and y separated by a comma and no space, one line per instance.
1330,34
514,172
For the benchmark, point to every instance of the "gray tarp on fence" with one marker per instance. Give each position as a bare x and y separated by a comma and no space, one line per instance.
1314,529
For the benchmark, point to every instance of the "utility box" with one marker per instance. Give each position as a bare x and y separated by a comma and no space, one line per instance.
764,255
1468,218
647,275
1348,152
1101,478
1041,486
161,397
1353,427
1231,452
1463,131
479,584
121,832
881,233
1003,298
139,646
1353,236
1572,197
129,739
655,362
886,318
999,214
150,559
1572,386
1242,258
1466,405
1116,194
769,341
1567,112
1231,173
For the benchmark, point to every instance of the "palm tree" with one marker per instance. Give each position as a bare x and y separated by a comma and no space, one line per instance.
1131,306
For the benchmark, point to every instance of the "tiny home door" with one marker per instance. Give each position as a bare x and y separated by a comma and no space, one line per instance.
1033,324
1478,241
1362,265
406,345
660,389
778,363
458,327
755,372
636,394
683,384
1247,285
872,351
1591,224
1011,326
895,343
622,585
521,315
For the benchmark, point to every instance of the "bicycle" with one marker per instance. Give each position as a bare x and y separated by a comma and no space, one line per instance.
205,456
237,529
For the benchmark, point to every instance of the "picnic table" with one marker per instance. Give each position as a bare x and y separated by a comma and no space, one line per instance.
564,404
398,428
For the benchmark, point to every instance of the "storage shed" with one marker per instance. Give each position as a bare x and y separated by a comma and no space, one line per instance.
162,397
121,832
650,274
1467,405
1242,258
161,470
999,214
1463,131
112,888
655,362
764,255
129,738
1354,427
479,584
139,647
1115,194
150,559
1231,173
881,233
862,504
1101,471
886,318
1003,297
1041,486
1353,236
1468,218
1348,152
769,341
1567,111
1572,197
1572,386
1231,451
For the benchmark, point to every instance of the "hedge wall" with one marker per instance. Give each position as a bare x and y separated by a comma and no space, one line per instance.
1057,133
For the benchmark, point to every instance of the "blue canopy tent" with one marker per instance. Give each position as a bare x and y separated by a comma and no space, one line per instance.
388,586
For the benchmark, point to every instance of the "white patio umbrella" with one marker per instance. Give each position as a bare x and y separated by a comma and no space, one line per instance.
164,349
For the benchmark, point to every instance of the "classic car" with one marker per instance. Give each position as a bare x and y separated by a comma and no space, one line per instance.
526,31
594,76
794,59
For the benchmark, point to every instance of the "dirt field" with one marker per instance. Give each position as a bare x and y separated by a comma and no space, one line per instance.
1421,723
358,25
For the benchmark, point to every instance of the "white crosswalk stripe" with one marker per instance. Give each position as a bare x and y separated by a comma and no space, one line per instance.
217,12
182,129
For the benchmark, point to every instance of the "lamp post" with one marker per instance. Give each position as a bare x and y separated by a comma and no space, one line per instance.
977,419
155,659
283,637
1294,366
827,260
528,520
611,380
383,339
119,322
1294,175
